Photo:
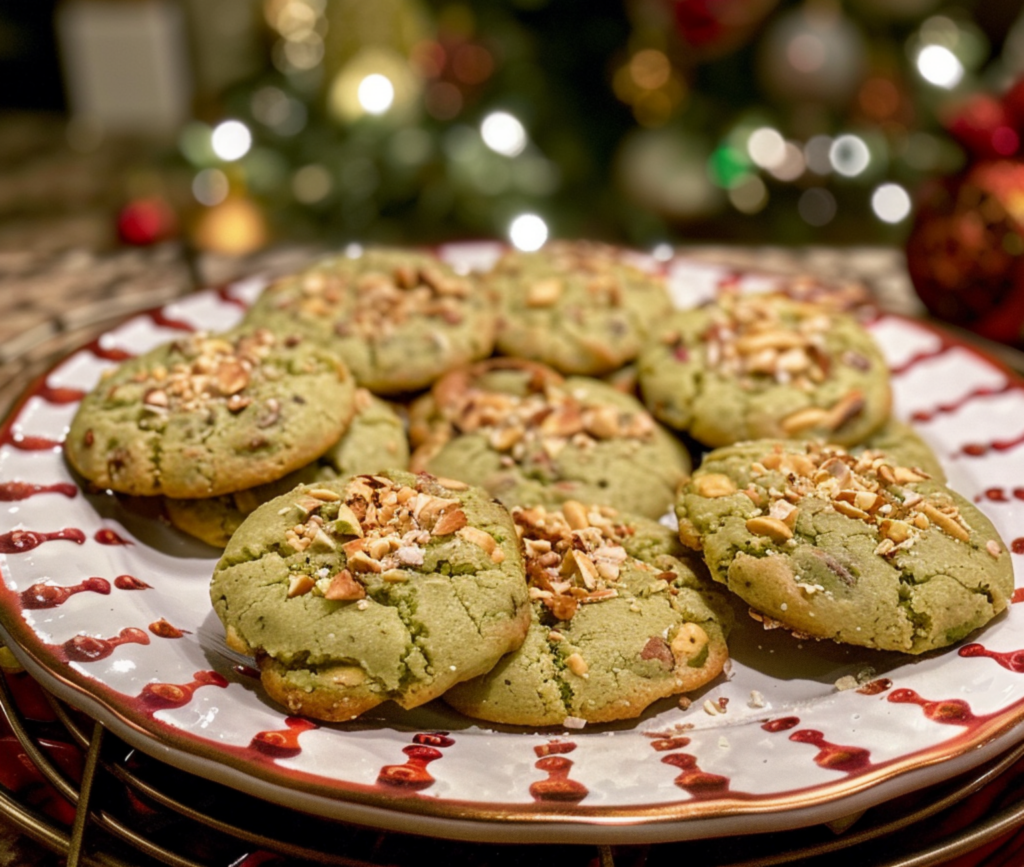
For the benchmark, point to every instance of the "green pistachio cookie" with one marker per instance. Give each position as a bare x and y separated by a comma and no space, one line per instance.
621,618
766,366
207,415
580,307
398,318
859,549
356,591
375,440
530,437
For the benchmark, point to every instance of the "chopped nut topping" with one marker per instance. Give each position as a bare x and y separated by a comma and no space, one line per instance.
217,370
382,527
868,488
373,298
575,562
757,336
530,427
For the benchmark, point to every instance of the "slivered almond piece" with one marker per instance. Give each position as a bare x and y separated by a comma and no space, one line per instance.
231,377
802,419
299,585
360,562
773,528
449,523
945,522
344,587
713,485
543,293
907,476
451,484
895,531
575,515
480,538
850,510
586,569
324,494
845,409
577,664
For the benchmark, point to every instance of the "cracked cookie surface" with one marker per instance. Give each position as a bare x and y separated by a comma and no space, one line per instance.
858,549
375,440
622,617
206,415
355,591
759,366
529,437
399,318
578,306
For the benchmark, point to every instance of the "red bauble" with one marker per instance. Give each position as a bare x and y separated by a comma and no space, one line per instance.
711,28
985,126
146,221
965,252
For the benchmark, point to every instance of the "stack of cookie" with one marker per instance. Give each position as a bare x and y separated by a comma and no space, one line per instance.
519,570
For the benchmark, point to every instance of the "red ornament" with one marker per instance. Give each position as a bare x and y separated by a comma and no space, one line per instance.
965,252
711,28
1013,102
146,221
985,127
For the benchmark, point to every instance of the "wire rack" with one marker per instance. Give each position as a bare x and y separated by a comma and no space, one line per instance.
84,795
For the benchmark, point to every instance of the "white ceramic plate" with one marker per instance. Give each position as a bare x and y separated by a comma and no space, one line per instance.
127,634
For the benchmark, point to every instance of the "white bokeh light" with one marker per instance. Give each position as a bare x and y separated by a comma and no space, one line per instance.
231,140
849,155
891,203
210,187
503,133
376,93
940,66
767,147
528,232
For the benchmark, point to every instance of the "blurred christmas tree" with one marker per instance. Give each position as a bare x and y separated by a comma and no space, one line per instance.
640,121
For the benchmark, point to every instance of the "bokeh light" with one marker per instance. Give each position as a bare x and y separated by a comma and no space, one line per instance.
940,66
891,203
528,232
849,155
749,196
503,133
817,206
376,93
792,164
767,147
210,187
312,184
231,140
817,152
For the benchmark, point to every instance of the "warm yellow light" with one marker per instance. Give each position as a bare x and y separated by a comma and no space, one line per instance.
650,69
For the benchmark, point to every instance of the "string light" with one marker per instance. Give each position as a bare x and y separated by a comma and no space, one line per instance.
376,93
528,232
940,66
231,140
891,203
849,155
210,187
503,134
816,206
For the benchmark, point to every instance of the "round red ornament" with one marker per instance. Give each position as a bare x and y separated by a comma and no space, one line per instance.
965,252
146,221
